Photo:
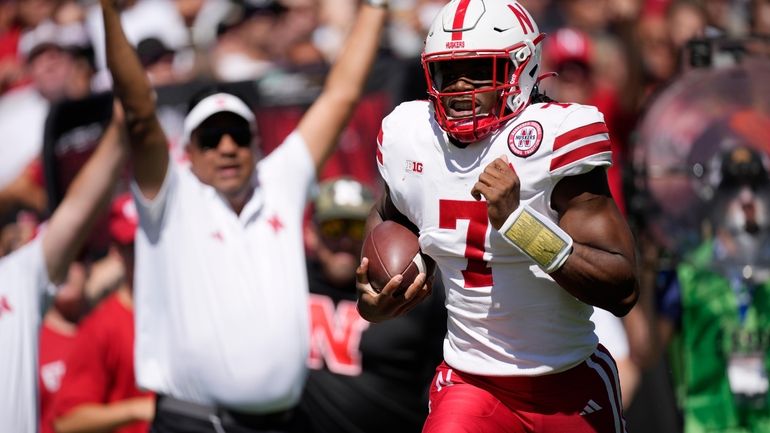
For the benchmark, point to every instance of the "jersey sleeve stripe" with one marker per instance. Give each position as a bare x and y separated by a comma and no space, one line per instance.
379,155
579,133
580,153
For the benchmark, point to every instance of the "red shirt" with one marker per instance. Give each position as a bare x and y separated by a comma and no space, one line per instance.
9,44
101,366
54,350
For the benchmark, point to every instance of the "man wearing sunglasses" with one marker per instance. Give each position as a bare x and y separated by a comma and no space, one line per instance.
220,283
363,378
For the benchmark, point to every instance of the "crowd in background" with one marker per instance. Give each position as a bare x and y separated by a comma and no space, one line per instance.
618,55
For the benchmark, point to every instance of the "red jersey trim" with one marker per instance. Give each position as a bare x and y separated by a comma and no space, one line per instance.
579,133
379,146
580,153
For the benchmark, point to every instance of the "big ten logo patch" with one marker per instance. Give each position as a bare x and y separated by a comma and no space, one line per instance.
335,336
525,138
413,167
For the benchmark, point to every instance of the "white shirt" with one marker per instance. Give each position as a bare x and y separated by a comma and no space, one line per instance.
22,118
221,298
505,316
23,284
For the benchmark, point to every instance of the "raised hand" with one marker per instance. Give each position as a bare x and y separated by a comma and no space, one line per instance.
500,186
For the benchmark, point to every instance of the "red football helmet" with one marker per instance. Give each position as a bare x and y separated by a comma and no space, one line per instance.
501,31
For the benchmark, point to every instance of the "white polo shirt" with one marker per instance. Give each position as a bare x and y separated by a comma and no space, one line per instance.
221,298
23,284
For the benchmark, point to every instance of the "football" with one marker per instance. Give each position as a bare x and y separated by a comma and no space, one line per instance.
392,249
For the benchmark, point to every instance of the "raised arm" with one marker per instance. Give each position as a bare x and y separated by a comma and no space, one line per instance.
88,194
325,119
148,143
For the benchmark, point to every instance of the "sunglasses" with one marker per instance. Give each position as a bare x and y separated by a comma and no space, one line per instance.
209,138
339,228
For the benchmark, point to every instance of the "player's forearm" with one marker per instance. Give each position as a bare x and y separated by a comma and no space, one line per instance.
96,418
88,194
601,278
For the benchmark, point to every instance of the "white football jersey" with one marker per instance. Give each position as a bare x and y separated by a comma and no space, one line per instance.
505,315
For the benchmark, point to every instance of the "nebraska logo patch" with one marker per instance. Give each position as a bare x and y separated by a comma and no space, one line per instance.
525,139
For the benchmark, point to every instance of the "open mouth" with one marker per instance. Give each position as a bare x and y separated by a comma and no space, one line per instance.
228,170
462,107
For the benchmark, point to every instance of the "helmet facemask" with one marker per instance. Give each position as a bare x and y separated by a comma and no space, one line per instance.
503,72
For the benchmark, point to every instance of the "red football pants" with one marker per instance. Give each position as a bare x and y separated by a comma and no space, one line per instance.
584,399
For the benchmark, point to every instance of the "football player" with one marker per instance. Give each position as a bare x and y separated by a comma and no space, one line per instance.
508,192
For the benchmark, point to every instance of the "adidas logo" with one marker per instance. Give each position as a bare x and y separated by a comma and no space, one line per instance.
590,408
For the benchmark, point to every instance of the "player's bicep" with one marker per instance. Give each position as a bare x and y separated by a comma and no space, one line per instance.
589,214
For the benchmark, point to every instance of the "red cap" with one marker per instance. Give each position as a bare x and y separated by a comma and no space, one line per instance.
568,45
123,220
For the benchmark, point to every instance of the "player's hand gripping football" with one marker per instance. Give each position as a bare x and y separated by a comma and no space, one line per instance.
376,307
500,186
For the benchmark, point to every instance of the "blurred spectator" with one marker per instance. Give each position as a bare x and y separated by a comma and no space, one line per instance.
656,53
243,50
56,339
293,44
11,70
335,18
201,18
59,60
364,378
158,61
590,16
759,17
13,235
19,17
188,27
27,273
717,304
23,202
724,18
34,12
99,392
686,20
26,192
548,14
59,64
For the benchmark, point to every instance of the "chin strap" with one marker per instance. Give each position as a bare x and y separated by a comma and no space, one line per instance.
542,77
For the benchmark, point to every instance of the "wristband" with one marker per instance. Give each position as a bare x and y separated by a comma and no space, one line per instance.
377,3
539,238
